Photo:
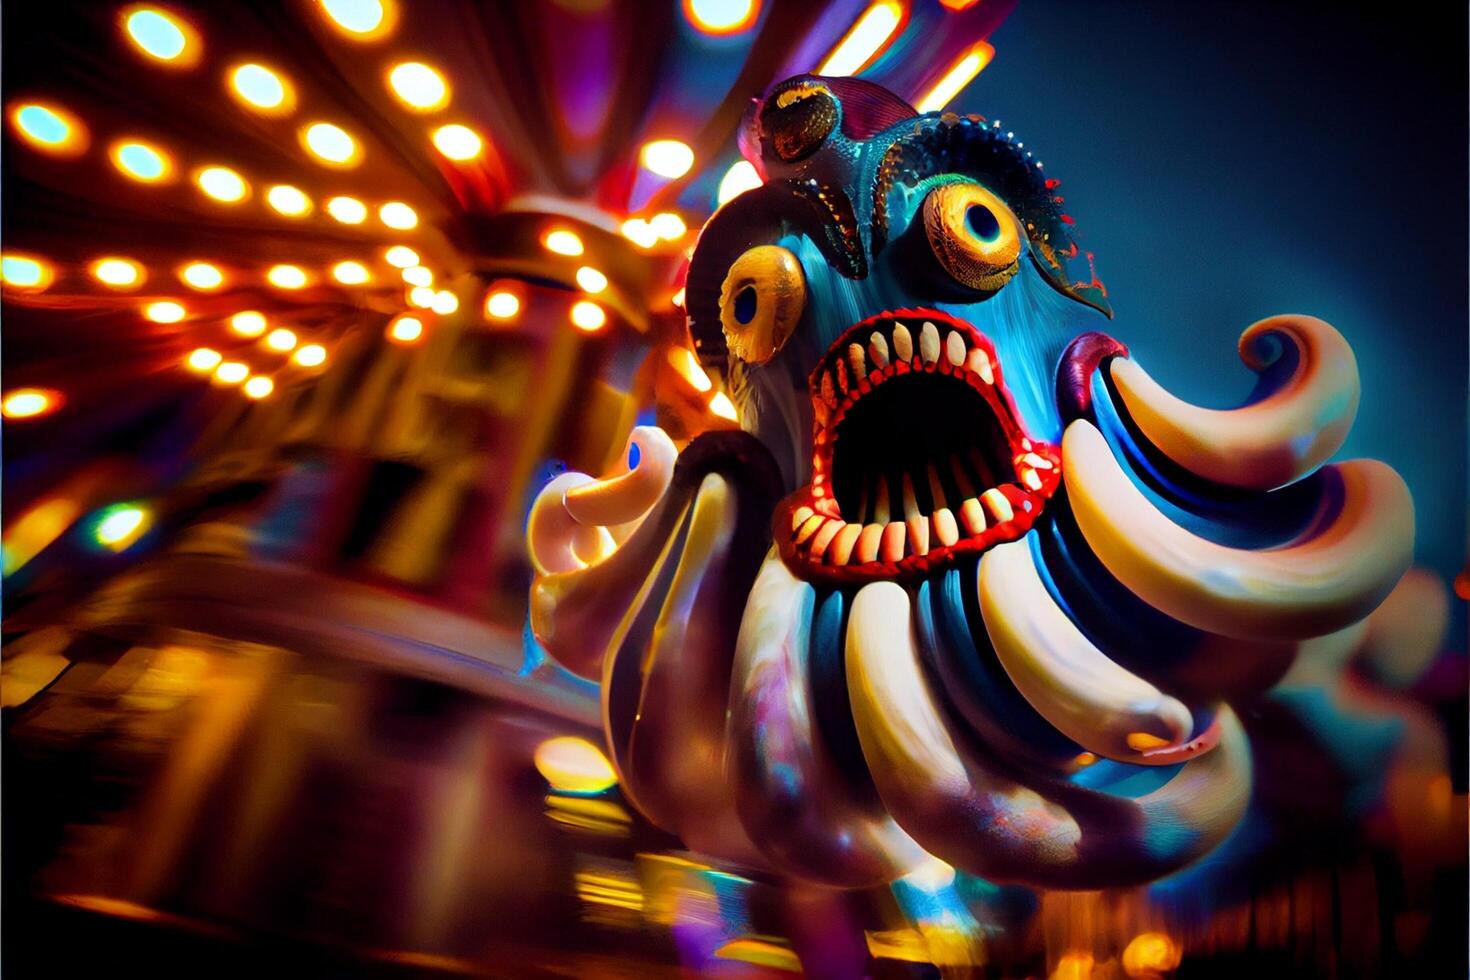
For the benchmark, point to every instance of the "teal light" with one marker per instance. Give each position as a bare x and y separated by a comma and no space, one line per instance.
42,124
140,161
157,34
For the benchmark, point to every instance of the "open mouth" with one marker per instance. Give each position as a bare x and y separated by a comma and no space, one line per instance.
918,455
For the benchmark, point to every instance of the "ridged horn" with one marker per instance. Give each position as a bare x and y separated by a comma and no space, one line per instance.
1319,584
1271,441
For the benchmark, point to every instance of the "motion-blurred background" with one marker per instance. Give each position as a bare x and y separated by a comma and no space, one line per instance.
303,301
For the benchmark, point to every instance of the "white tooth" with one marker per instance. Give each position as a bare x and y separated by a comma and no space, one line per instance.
1030,479
998,505
868,542
929,342
972,516
840,550
822,539
807,529
945,529
954,348
979,362
919,534
799,516
878,350
891,546
1039,462
856,359
881,510
903,343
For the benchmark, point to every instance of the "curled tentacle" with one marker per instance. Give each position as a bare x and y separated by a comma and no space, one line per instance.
1309,402
1315,585
793,797
976,813
1091,699
567,529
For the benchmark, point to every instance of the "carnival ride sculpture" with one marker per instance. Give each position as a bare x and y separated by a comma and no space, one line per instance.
969,582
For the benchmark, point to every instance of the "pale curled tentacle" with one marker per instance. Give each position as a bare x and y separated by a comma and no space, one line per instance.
568,521
1316,585
972,812
792,797
1067,679
1272,441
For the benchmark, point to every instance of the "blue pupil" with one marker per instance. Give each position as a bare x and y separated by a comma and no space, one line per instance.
745,304
983,223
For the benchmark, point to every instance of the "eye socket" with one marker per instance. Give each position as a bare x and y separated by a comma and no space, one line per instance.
973,235
761,302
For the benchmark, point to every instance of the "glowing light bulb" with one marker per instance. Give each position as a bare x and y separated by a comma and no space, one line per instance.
588,316
248,323
444,303
683,360
231,372
364,19
396,214
723,407
562,242
26,273
502,305
202,276
867,38
640,233
162,36
29,403
574,765
331,144
203,360
350,273
222,184
141,161
260,88
591,280
288,200
311,355
259,387
164,311
418,86
401,257
667,158
422,296
348,210
119,273
405,329
120,525
49,128
458,142
280,339
741,177
668,226
970,64
721,16
418,276
286,276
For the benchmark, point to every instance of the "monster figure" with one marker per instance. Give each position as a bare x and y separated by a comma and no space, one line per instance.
969,582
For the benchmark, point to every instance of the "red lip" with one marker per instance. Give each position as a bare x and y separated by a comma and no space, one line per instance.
935,456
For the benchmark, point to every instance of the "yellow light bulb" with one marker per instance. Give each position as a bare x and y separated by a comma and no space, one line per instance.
422,297
574,765
418,276
405,329
723,407
286,276
162,36
259,387
363,20
418,86
248,323
280,339
721,16
202,276
222,184
396,214
444,303
401,256
331,144
141,161
26,273
203,360
741,177
28,403
348,210
350,273
458,142
311,355
562,242
288,200
261,89
502,305
164,311
119,273
231,372
667,158
668,226
591,280
588,316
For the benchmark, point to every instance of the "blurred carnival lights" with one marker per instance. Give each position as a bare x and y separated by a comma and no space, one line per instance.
396,214
261,89
351,273
741,177
118,527
286,276
591,280
117,272
232,372
331,144
281,339
588,316
667,158
164,311
248,323
49,128
203,360
259,387
401,257
202,276
458,142
865,40
970,64
26,273
418,86
348,210
362,20
720,17
162,36
141,161
574,765
310,355
29,403
288,200
563,242
502,305
405,329
222,184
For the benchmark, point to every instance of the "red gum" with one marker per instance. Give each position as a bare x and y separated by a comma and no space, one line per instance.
808,561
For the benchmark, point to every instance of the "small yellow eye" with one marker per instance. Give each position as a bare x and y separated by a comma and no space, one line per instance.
761,302
973,234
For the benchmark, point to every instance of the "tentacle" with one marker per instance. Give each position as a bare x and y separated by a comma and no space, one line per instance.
972,812
1071,682
564,532
1316,585
1295,426
793,798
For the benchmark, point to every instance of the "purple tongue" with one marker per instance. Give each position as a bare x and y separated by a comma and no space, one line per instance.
1080,360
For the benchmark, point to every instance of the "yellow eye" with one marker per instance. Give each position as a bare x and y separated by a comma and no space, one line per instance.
973,234
761,302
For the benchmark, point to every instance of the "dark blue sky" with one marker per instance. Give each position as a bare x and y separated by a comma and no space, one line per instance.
1229,161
